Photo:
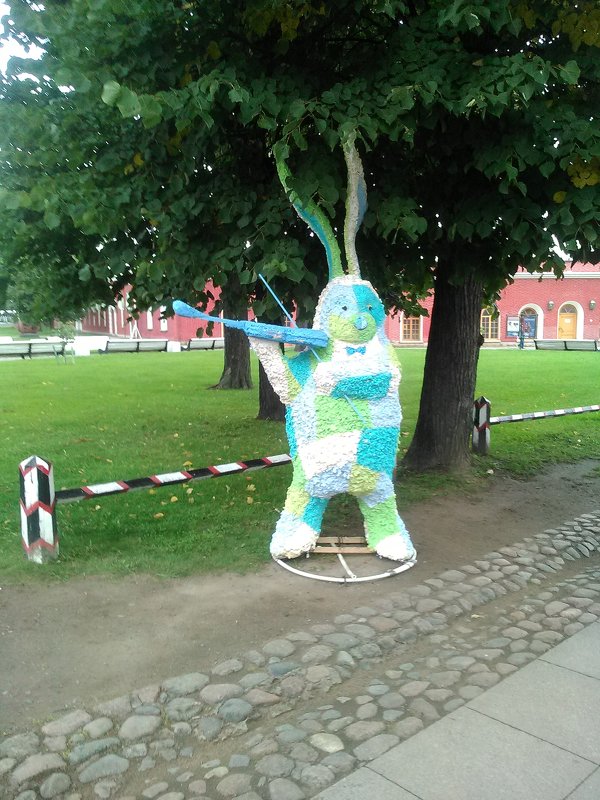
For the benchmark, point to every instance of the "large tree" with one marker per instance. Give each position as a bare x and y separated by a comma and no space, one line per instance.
477,122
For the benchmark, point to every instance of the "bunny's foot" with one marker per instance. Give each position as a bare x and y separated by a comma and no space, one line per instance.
292,537
386,532
397,548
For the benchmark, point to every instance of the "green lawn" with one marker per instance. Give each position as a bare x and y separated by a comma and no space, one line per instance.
11,330
127,415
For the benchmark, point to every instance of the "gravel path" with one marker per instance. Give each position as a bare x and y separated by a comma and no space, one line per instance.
287,720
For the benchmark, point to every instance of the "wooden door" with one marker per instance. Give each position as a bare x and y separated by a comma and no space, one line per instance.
567,325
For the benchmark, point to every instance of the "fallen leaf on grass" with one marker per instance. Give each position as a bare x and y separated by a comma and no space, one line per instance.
160,515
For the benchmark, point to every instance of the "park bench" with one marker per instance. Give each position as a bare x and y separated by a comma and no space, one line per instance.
581,344
565,344
135,346
34,347
204,344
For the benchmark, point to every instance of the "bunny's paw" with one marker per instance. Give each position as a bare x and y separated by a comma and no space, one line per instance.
396,547
292,537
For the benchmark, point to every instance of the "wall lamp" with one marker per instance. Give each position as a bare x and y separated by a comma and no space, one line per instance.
592,305
550,305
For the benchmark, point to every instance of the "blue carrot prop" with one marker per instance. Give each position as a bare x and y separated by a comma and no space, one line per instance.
260,330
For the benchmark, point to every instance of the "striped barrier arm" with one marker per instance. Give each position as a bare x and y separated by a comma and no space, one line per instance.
482,420
169,478
38,499
38,510
558,412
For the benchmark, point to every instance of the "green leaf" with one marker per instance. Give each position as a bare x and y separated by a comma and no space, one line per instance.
296,110
155,270
128,103
267,123
570,72
85,273
150,110
298,137
110,92
238,95
331,137
10,200
51,219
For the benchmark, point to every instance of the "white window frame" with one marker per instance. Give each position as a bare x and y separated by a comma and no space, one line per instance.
164,323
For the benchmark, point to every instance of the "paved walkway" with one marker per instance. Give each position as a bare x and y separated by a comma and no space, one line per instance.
482,683
535,736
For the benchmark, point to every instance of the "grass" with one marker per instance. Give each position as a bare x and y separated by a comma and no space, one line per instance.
530,380
125,416
11,330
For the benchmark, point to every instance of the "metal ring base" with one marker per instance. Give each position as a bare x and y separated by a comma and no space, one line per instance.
350,577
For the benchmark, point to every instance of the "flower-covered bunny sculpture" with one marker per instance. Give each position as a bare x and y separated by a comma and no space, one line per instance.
341,395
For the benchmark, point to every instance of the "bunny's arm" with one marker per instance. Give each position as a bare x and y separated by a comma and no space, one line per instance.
259,330
287,375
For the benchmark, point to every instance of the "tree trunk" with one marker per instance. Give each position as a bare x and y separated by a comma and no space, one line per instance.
441,439
236,359
270,406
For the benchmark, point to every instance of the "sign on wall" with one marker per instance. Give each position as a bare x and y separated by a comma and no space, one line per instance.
512,326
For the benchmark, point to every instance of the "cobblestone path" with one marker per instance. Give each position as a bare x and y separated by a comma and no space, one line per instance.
288,720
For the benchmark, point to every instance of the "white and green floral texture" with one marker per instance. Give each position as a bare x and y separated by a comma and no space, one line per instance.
342,407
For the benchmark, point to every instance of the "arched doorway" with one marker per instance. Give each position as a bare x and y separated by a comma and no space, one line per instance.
529,322
567,322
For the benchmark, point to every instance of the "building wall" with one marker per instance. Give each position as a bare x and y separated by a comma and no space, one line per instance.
579,288
118,321
547,296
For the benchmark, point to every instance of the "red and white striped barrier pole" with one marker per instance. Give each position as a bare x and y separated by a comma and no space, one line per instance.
38,510
481,426
531,415
169,478
482,420
38,498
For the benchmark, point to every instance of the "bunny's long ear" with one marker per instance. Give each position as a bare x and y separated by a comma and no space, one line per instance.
316,220
356,205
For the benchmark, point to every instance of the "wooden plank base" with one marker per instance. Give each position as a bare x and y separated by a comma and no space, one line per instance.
346,545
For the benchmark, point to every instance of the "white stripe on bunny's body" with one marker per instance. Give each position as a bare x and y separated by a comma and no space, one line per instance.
343,364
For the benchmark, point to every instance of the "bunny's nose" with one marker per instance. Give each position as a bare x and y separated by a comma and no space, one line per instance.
360,323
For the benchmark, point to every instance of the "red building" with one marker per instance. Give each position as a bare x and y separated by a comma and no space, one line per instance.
117,321
544,307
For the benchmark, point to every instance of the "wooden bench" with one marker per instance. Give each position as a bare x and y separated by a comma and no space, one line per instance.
135,346
33,348
204,344
581,344
565,344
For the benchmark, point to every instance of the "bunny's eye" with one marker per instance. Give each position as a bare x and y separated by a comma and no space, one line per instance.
344,308
369,308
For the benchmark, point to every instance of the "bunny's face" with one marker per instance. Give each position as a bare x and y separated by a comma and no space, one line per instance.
349,310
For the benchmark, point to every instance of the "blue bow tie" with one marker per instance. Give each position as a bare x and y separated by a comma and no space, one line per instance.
362,350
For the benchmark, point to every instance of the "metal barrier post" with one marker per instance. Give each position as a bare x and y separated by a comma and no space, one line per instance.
482,410
38,510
